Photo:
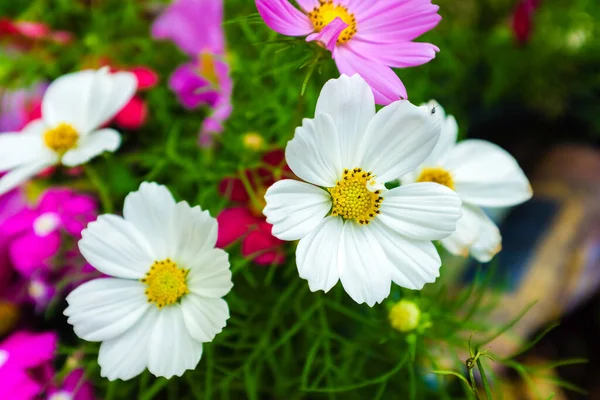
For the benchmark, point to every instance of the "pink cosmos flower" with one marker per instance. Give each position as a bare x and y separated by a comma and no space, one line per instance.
195,27
365,37
22,35
134,114
20,107
20,355
11,204
36,232
74,387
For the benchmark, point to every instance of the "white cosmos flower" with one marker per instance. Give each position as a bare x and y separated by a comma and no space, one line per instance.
73,108
349,226
483,175
164,296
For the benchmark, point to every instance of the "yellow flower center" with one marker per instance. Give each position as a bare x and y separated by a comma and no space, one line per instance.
9,316
61,138
437,175
166,283
405,316
351,198
321,16
208,68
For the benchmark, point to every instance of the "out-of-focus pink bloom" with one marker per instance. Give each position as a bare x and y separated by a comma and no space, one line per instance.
134,114
35,233
11,204
20,107
522,20
245,221
74,387
364,37
195,27
23,33
40,291
21,354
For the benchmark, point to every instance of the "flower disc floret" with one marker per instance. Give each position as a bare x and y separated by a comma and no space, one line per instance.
61,138
328,11
437,175
166,283
352,199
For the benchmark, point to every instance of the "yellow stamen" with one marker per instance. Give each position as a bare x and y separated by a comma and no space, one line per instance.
321,16
351,198
61,138
166,283
208,68
437,175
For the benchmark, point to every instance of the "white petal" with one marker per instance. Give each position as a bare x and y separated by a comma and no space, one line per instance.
349,101
21,174
489,242
314,152
204,317
447,138
115,247
398,139
126,356
317,255
150,210
210,275
19,149
365,272
172,350
467,231
92,145
105,308
424,211
414,262
295,208
193,232
87,99
486,175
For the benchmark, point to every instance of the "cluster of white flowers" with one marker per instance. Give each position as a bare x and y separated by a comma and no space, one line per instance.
163,296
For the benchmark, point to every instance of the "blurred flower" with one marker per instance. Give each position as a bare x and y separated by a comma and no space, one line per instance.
35,232
74,387
11,204
365,38
133,115
253,141
20,354
245,221
350,227
405,316
522,20
74,107
195,27
40,291
20,107
483,175
165,299
22,35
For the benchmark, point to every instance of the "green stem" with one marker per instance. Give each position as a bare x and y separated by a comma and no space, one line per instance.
103,191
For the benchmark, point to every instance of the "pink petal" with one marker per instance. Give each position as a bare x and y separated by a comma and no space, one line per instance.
264,248
396,55
396,21
308,5
28,350
384,82
17,384
145,76
133,115
233,224
31,253
329,34
284,18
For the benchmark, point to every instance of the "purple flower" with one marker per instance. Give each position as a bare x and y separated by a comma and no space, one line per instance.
365,37
74,387
195,27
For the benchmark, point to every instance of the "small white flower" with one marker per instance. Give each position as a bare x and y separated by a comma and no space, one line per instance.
349,226
483,175
164,297
73,108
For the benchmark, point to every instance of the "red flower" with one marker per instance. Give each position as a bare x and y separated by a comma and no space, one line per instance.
245,221
134,114
25,33
522,20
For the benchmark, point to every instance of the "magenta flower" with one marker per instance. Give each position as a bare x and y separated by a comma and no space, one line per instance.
74,387
11,204
21,354
195,27
35,233
365,37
